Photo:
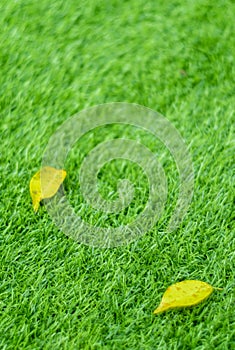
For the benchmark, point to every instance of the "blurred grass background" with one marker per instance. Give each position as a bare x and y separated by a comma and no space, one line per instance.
57,58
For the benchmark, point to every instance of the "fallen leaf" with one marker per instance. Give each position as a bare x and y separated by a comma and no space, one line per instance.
45,183
183,294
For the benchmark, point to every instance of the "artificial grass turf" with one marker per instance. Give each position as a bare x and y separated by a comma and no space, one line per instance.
60,57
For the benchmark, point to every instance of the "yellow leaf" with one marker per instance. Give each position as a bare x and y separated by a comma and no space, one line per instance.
183,294
45,183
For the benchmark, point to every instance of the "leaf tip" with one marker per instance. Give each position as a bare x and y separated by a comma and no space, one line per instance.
35,206
161,308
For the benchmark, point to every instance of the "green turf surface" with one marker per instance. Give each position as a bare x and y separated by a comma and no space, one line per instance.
59,57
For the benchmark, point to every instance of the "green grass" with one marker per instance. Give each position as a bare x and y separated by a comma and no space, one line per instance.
59,57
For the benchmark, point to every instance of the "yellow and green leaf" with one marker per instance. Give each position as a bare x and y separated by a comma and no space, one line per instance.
45,183
184,294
